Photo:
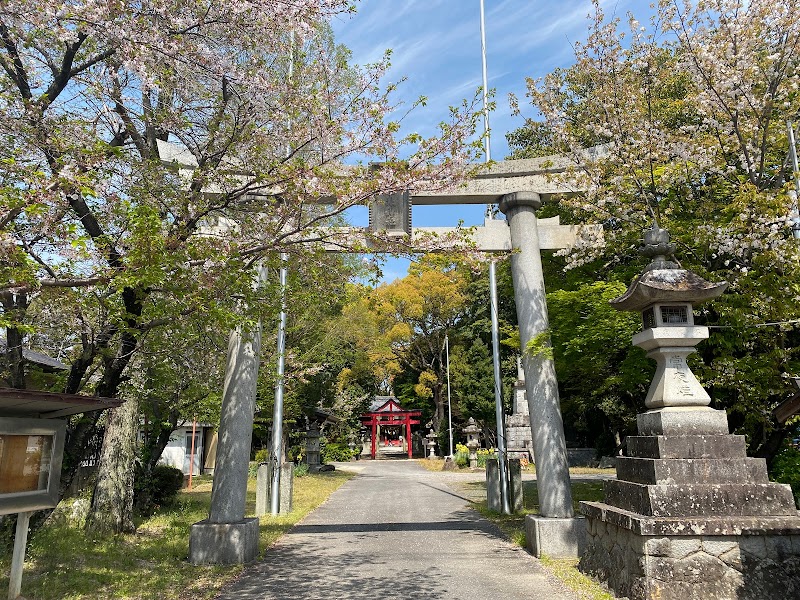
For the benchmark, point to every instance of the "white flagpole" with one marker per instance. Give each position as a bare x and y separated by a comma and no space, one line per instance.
498,394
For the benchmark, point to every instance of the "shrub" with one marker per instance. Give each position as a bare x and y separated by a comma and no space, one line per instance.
333,452
301,470
262,455
462,455
166,483
483,454
786,469
156,489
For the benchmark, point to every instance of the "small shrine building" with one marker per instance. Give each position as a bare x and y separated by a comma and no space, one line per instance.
390,426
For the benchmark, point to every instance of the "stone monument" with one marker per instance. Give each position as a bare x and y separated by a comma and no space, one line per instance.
313,454
519,442
689,516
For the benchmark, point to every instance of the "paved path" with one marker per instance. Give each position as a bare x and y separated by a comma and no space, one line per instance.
395,531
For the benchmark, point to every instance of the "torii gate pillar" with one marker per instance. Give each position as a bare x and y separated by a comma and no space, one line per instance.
549,446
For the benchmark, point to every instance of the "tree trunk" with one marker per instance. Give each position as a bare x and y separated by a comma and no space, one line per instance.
771,444
157,443
112,502
15,306
439,400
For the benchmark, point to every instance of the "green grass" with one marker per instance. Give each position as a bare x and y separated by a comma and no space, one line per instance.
566,569
64,563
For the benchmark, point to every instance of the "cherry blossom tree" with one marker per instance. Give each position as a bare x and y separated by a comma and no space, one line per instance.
153,151
688,119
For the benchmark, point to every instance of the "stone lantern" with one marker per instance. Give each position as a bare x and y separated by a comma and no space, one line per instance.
689,515
431,443
473,442
665,295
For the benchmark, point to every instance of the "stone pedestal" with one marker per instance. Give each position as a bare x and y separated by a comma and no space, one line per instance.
691,517
519,441
555,538
223,543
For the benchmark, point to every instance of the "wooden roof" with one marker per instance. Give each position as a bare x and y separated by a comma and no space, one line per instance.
387,405
49,405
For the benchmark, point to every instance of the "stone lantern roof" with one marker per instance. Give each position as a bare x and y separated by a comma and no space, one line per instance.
667,285
663,280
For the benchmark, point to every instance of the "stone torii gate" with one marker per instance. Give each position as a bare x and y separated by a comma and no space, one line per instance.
519,187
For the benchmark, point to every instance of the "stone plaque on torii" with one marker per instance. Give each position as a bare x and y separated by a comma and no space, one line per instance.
519,187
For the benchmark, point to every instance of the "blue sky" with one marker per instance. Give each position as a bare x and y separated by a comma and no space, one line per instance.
436,46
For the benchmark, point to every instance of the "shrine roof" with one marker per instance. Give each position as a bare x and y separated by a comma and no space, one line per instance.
384,404
387,404
49,405
38,358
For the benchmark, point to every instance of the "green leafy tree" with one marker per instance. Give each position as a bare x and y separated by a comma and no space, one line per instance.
603,379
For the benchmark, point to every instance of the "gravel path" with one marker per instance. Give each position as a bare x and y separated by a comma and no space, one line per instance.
395,531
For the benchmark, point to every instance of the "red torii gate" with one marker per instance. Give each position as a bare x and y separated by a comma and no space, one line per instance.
389,413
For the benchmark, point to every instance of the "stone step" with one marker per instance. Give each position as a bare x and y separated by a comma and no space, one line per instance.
686,446
734,499
673,471
782,525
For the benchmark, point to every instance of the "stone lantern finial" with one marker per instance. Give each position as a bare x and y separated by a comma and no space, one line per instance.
658,248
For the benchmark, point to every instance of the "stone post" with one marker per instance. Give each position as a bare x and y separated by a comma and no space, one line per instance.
226,537
286,492
263,484
493,498
547,427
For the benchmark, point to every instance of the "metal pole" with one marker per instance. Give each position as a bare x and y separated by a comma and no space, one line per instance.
486,138
191,454
796,177
18,557
498,394
449,405
277,413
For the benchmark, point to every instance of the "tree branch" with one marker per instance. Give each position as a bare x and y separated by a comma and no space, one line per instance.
62,78
17,70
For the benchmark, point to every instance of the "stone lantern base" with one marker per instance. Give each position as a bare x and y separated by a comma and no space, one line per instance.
691,517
